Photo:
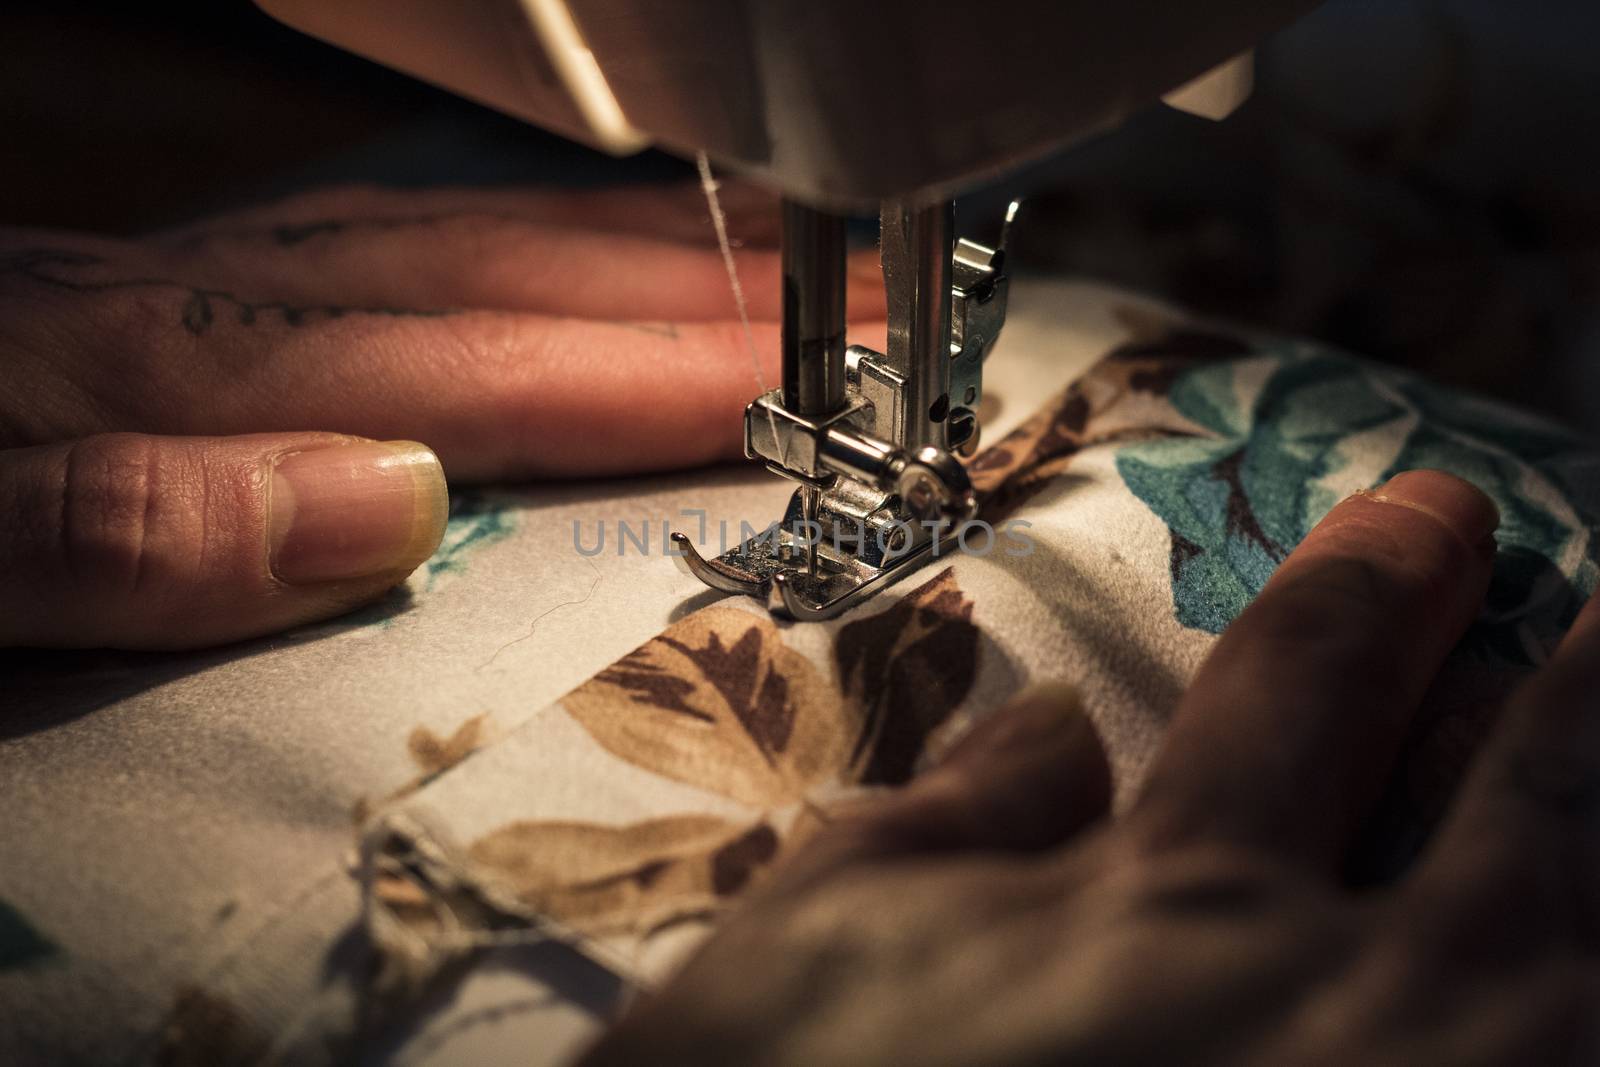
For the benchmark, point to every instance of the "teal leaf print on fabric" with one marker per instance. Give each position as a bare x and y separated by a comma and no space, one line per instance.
1547,486
476,519
20,944
1294,429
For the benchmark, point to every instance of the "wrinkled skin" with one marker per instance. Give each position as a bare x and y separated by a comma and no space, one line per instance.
994,913
153,386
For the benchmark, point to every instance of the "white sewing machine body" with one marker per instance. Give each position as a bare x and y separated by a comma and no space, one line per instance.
838,104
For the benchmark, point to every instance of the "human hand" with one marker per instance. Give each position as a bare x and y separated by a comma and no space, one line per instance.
191,423
993,913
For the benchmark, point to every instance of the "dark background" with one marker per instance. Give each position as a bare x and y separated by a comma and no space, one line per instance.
1417,180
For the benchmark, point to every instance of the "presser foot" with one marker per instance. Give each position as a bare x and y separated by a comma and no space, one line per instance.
809,582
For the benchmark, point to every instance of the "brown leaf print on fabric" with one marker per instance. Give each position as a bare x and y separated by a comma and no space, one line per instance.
734,864
750,718
907,669
651,683
601,879
433,755
753,720
759,699
1013,469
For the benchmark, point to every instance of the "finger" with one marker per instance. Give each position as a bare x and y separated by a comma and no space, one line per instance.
1524,839
674,211
145,542
497,395
1291,726
1027,778
490,262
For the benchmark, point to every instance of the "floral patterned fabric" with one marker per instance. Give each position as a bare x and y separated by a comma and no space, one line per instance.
1231,450
521,865
1291,430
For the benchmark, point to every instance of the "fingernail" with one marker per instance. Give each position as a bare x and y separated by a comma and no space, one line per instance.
355,510
1459,505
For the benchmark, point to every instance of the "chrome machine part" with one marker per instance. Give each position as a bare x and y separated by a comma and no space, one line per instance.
979,293
866,435
918,243
813,330
813,310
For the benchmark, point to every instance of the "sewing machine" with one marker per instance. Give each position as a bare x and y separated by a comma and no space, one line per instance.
841,105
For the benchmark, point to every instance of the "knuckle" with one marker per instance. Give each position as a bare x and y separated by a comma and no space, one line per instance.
108,494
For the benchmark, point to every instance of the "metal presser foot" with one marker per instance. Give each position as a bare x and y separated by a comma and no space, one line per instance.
871,437
836,547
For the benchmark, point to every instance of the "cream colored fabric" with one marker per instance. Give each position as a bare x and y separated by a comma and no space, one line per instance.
179,829
477,817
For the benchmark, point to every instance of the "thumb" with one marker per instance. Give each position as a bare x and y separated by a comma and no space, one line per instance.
137,541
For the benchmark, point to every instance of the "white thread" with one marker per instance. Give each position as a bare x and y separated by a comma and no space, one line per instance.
593,585
719,222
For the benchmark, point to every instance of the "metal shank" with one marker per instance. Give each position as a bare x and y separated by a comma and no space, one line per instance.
917,243
813,310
